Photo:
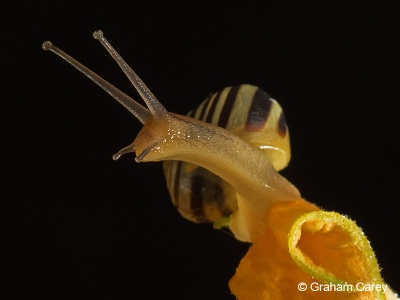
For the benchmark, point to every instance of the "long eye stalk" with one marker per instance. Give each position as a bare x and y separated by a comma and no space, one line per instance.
140,112
155,107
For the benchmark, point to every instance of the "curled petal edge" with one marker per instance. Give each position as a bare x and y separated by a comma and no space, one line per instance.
308,245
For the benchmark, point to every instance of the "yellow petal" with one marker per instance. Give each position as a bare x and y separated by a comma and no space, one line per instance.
324,252
333,249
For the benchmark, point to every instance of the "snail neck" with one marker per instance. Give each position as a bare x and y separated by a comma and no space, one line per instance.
243,166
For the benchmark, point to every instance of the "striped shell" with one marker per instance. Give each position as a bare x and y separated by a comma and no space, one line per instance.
249,112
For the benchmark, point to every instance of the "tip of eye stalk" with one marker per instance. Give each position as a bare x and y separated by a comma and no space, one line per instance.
116,156
98,34
47,45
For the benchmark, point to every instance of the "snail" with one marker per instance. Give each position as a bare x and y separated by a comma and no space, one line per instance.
240,161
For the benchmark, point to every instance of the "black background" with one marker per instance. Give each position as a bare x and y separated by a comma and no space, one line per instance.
78,225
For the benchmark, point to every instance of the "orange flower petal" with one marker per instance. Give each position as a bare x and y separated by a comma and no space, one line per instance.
303,247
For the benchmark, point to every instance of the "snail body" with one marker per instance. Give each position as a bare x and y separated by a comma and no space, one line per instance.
249,171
